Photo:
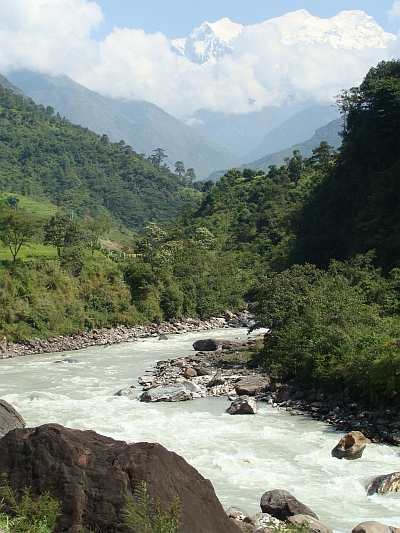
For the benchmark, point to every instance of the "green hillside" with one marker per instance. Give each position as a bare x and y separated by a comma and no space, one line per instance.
45,157
140,124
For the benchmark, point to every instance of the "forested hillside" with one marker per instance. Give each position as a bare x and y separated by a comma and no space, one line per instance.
46,157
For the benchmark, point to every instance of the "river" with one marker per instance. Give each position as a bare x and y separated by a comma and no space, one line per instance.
243,456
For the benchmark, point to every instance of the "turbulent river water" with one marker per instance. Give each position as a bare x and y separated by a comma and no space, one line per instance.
243,456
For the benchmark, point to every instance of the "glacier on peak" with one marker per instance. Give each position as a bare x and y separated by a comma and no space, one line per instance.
351,30
208,42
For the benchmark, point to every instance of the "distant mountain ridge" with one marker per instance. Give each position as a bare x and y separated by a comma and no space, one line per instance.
142,125
294,130
349,30
329,132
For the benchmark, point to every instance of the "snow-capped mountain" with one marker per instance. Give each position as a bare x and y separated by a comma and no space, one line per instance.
209,42
348,30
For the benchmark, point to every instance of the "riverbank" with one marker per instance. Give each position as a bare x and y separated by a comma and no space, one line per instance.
220,371
117,335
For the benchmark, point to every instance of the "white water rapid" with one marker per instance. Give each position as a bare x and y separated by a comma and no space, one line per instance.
243,456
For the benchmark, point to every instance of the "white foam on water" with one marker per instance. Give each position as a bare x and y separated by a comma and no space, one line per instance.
243,456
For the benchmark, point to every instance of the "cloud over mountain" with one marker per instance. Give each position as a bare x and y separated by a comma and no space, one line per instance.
220,66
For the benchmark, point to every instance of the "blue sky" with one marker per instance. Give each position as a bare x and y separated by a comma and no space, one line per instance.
122,49
178,17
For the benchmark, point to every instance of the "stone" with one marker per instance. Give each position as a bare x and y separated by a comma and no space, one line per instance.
176,392
252,385
314,525
384,484
238,514
124,392
350,446
202,371
217,379
92,475
67,360
281,504
162,337
370,526
9,418
207,345
190,372
244,405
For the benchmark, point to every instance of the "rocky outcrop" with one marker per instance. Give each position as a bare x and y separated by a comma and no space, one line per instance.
92,475
384,484
210,345
252,385
9,418
371,526
244,405
350,446
314,525
281,504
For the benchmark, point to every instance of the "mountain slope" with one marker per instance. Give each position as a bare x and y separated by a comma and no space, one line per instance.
48,158
140,124
293,131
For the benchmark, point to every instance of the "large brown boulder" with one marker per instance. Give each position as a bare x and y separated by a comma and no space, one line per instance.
384,484
281,504
9,418
374,527
91,475
351,446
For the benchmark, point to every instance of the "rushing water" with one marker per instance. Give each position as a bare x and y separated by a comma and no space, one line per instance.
242,455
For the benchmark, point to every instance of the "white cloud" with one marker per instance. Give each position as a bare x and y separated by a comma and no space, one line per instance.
394,11
53,36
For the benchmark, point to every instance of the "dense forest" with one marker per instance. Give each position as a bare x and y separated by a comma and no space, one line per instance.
312,247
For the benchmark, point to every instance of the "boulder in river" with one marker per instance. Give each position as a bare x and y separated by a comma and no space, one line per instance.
176,392
92,475
9,418
384,484
314,525
370,526
350,446
281,504
252,385
244,405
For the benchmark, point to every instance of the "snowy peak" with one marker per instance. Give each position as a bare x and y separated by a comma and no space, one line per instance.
349,30
209,42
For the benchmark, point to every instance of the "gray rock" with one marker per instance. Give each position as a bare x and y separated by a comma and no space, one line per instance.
244,405
177,392
124,392
371,526
217,379
383,484
238,514
252,385
162,337
9,418
281,504
351,446
207,345
67,360
314,526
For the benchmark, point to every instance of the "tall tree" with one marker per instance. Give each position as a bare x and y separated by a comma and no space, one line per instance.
158,157
61,232
16,229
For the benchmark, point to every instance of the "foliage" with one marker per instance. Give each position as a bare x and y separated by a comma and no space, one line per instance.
356,207
145,515
16,229
47,158
333,328
276,526
61,232
24,514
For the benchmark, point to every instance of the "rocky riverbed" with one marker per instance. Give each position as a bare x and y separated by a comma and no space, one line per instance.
218,370
105,336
